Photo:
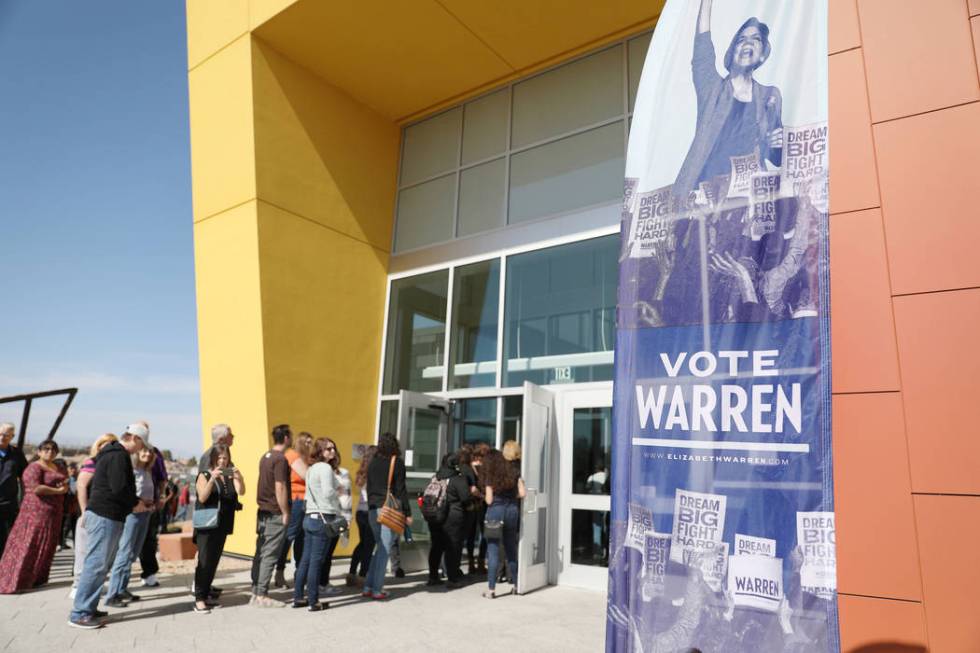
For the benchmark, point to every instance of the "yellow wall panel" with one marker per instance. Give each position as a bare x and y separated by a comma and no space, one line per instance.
323,306
221,126
319,153
260,11
229,326
213,24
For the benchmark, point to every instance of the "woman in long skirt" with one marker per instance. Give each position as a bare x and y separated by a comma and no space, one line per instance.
30,548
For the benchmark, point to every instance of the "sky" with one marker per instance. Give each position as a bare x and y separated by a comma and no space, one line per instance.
96,249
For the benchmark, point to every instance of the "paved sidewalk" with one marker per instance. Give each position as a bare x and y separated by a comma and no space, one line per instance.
414,619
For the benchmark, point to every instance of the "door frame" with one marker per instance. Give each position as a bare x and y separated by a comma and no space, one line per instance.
576,575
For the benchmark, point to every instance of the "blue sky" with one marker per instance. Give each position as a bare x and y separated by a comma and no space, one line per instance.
95,217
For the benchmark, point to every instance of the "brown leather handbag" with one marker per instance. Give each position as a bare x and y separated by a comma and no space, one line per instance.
391,514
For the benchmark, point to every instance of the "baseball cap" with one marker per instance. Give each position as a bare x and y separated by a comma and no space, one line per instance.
139,430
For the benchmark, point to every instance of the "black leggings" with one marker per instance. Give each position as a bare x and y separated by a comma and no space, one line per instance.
210,545
361,558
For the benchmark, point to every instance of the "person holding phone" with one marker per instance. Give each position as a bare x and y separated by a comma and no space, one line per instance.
30,548
218,487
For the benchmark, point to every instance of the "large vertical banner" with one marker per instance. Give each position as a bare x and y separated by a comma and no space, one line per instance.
723,507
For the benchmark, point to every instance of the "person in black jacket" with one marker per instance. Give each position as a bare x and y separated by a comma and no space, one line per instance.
448,537
12,466
377,491
112,496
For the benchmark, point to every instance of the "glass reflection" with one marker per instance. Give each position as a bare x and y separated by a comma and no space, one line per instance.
591,450
416,333
590,537
476,298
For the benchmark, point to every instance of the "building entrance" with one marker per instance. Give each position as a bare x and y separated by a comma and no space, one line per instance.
565,433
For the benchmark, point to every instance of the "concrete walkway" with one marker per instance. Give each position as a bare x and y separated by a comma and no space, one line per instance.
414,619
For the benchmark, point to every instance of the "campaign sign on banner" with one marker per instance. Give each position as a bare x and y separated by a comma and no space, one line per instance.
722,385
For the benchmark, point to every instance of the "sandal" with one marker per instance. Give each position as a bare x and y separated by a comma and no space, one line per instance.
205,610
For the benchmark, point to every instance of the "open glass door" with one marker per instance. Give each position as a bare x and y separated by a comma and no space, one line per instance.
536,548
423,431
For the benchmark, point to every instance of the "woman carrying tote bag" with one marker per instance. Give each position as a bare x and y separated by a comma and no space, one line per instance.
388,510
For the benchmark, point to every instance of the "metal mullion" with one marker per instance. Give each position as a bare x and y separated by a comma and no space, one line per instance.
459,172
384,353
449,330
500,421
489,159
563,136
440,175
501,316
510,138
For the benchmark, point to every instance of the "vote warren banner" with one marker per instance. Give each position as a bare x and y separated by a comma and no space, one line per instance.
722,536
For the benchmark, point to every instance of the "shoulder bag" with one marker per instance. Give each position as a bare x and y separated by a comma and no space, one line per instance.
391,514
206,518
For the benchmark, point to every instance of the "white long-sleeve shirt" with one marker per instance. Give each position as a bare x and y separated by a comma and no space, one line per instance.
321,490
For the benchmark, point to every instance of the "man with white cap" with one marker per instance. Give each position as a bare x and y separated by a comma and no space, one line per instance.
112,496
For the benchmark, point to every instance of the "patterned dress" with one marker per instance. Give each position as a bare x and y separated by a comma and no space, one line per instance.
30,548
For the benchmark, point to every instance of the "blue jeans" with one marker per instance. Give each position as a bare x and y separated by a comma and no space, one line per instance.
103,540
314,551
509,513
294,534
384,538
130,545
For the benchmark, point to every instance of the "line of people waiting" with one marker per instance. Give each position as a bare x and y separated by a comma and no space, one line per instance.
305,503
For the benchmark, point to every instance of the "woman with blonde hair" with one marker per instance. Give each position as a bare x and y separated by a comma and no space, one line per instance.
320,524
85,474
360,559
300,457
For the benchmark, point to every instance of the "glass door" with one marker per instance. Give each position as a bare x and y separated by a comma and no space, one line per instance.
585,434
536,549
424,425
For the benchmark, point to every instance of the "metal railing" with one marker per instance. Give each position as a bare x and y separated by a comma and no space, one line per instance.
28,399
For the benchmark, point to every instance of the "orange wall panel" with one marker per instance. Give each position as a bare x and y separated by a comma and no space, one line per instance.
940,364
975,7
869,622
919,56
853,179
862,332
876,550
843,30
949,529
929,170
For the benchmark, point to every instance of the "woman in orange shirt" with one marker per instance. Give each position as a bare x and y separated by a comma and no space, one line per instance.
300,457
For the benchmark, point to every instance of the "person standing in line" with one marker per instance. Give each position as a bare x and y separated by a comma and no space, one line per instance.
299,457
272,497
183,501
331,456
504,490
27,559
111,499
148,553
386,466
70,517
360,559
134,532
214,490
85,474
448,535
220,434
322,512
12,466
477,563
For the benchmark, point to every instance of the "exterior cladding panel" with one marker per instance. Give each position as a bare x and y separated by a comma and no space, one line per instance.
905,159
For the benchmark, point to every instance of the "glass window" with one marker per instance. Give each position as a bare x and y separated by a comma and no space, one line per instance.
590,537
575,95
481,197
572,173
473,349
423,438
485,126
416,333
425,213
591,450
431,147
637,56
474,421
560,306
513,411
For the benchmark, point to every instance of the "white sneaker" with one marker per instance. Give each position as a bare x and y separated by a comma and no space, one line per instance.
151,581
